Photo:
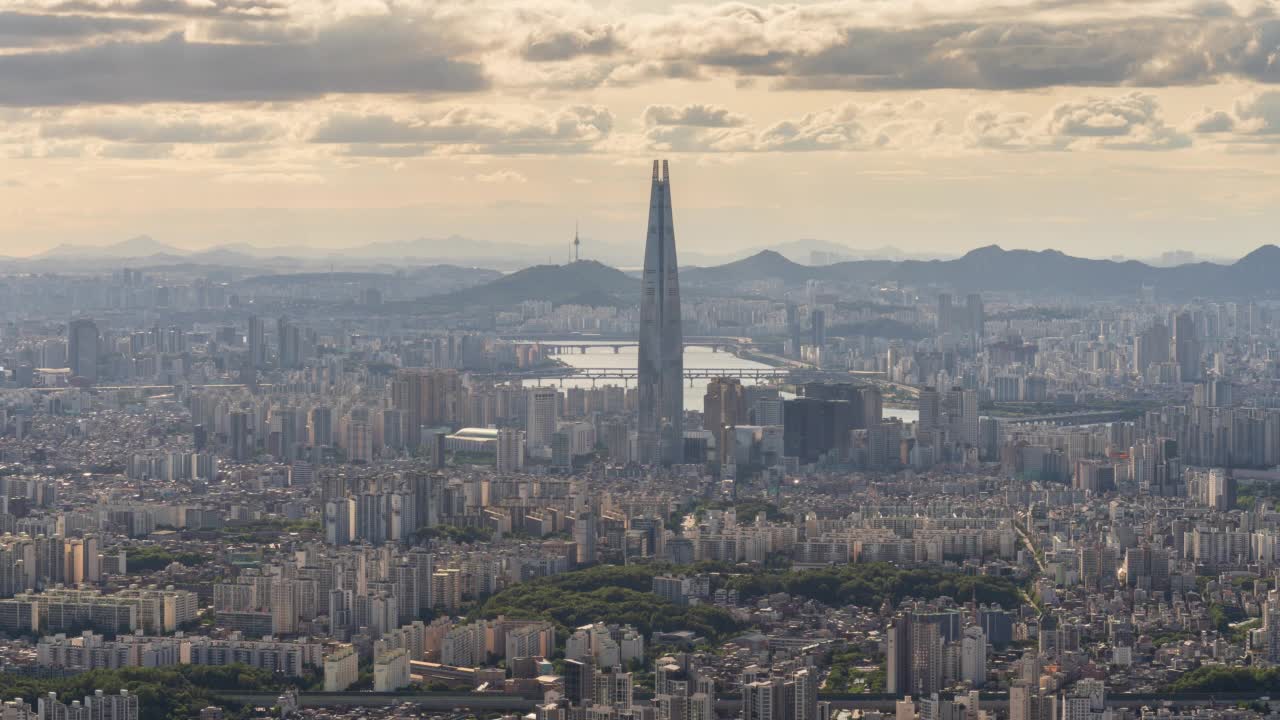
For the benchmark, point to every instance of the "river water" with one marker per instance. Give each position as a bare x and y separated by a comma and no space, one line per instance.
695,358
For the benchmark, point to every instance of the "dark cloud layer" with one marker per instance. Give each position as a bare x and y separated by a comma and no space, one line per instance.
1150,53
380,56
176,8
576,128
563,45
131,51
23,29
163,131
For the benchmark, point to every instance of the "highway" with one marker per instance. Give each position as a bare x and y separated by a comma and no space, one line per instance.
726,707
428,701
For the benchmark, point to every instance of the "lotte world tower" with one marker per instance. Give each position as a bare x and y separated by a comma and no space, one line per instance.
661,368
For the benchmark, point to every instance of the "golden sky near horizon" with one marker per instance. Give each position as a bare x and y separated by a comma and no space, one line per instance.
1098,127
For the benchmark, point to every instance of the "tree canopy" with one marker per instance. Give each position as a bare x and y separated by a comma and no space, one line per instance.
168,693
870,584
608,594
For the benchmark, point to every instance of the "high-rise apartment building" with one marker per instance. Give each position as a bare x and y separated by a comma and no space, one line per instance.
510,457
723,408
427,398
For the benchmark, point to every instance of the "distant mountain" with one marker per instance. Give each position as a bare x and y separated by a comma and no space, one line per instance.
994,268
585,281
405,283
454,249
141,246
809,251
222,256
437,268
764,265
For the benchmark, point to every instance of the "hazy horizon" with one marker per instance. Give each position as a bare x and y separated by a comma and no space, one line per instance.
798,250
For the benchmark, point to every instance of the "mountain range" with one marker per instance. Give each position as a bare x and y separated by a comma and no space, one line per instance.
591,282
585,282
144,250
988,268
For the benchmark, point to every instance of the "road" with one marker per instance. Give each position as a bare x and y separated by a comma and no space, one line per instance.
725,706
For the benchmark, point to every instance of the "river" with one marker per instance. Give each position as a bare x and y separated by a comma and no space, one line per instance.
695,358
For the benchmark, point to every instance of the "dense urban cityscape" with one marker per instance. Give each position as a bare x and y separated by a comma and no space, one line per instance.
766,490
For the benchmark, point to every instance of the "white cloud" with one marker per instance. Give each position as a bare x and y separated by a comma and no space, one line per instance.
270,178
1209,120
467,129
186,127
697,115
502,176
845,127
1126,122
1252,123
994,129
1259,114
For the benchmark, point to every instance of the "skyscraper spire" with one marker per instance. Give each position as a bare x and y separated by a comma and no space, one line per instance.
660,371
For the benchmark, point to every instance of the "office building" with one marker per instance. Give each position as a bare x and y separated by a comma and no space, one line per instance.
541,416
1186,348
83,348
257,341
660,370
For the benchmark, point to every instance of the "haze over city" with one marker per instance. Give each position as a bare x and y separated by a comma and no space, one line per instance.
556,360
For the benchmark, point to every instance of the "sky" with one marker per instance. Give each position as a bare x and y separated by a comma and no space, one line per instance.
1097,127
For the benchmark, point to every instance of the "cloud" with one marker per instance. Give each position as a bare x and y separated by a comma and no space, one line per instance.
1212,121
502,176
1259,114
132,151
851,46
827,130
24,30
72,52
180,8
151,129
993,129
1254,120
574,128
270,178
358,55
694,139
383,150
699,115
558,45
1126,122
1132,121
846,127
